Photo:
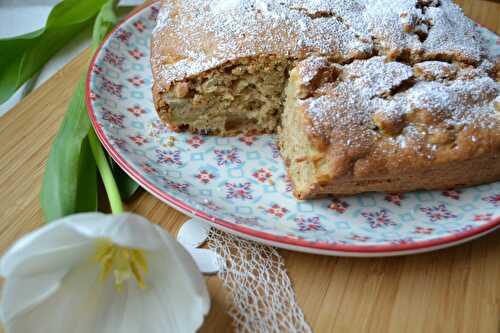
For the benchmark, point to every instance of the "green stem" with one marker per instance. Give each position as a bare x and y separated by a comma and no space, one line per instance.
107,177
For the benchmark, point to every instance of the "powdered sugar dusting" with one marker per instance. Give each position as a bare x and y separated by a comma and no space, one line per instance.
193,36
436,70
225,5
377,102
310,67
206,34
426,78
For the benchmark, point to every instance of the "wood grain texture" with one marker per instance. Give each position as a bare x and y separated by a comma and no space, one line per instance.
453,290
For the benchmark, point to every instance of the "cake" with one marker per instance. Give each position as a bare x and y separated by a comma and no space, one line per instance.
373,95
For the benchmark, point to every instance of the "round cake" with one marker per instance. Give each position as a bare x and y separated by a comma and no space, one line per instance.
373,95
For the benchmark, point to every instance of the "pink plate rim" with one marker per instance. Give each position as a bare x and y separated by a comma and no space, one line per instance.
283,241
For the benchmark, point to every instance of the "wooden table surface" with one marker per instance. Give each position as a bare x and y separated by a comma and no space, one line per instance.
453,290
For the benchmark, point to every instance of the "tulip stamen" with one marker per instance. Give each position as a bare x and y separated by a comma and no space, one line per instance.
124,263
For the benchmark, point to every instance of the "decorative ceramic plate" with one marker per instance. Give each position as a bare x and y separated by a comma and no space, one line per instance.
239,184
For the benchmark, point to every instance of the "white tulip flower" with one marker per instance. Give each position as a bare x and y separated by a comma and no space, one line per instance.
97,273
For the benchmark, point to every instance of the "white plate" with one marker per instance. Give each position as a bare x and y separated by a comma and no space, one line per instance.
238,184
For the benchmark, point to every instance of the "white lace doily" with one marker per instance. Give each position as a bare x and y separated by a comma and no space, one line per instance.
262,297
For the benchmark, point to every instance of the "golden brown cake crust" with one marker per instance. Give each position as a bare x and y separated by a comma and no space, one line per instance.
193,36
392,95
443,177
378,120
196,36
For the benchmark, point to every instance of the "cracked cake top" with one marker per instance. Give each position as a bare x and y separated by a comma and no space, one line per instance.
375,116
193,36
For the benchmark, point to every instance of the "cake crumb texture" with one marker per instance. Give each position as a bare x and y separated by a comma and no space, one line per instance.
372,95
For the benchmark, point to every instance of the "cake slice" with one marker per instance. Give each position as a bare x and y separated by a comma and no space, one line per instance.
382,125
221,67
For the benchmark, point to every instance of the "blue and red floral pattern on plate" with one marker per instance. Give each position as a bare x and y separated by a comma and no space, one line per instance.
239,184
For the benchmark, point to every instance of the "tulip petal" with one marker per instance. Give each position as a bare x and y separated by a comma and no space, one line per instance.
44,261
36,264
52,284
177,293
111,314
183,303
182,259
193,233
126,229
71,308
168,304
175,298
207,261
21,294
53,238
